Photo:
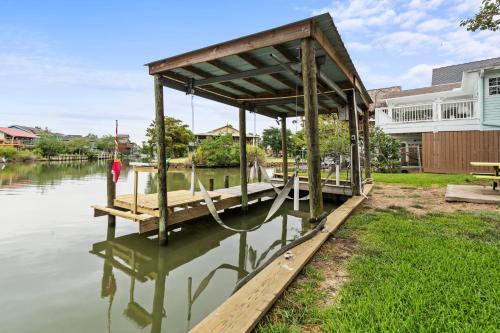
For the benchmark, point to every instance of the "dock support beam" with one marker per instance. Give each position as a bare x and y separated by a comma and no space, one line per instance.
162,164
243,160
111,193
284,149
366,139
353,134
311,127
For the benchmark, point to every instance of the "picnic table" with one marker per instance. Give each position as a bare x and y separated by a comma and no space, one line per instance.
495,177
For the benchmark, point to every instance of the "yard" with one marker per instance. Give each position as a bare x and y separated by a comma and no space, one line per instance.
405,261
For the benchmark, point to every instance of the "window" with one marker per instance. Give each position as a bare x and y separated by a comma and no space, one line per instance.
494,85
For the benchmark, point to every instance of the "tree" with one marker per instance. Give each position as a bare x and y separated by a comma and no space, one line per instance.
76,146
49,145
218,151
271,137
177,137
299,142
488,17
106,143
385,151
333,136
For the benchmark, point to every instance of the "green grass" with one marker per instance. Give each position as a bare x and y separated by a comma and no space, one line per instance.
424,179
436,273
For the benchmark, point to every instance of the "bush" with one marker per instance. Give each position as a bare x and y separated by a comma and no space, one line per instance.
25,156
219,151
223,151
255,153
385,150
8,152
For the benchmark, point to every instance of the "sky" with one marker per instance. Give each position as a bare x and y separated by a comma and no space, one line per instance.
75,67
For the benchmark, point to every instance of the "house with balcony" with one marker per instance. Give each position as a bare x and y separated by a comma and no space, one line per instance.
447,125
12,137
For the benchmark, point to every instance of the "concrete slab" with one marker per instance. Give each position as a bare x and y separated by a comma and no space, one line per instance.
472,193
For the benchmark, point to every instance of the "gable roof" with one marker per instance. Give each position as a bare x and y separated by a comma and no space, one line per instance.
14,132
453,74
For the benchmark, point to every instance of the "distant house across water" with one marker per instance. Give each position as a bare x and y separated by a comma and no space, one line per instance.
16,138
252,139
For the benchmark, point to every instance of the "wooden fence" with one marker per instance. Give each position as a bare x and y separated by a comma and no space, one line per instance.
452,152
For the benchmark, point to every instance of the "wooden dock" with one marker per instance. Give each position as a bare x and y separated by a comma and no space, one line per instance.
182,205
330,188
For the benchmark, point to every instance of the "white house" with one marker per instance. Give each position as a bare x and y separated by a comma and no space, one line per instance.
461,105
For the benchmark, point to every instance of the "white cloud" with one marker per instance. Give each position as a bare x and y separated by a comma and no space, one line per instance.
406,42
361,47
433,25
425,4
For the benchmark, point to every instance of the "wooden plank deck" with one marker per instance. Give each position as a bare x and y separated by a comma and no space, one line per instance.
182,205
243,310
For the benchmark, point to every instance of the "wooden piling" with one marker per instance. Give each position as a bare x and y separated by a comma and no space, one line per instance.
162,165
353,133
366,138
226,181
111,193
211,184
284,149
309,73
243,160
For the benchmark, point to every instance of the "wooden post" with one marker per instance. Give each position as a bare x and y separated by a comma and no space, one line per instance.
243,160
226,181
311,127
111,192
159,294
162,165
242,255
284,149
136,183
366,138
211,184
353,133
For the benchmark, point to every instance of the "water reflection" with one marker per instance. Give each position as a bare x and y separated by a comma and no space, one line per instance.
202,263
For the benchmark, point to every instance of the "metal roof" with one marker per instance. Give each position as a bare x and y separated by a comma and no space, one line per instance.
262,72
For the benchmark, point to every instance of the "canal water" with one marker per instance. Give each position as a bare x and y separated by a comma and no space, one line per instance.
62,270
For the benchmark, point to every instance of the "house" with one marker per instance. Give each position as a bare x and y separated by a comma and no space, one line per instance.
16,138
453,122
38,131
126,146
252,139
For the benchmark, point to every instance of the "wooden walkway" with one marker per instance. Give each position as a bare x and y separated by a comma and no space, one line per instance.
182,205
243,310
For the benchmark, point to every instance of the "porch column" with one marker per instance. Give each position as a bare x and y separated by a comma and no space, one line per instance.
366,138
243,160
284,149
309,73
162,165
353,134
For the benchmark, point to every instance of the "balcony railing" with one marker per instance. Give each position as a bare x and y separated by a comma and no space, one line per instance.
463,109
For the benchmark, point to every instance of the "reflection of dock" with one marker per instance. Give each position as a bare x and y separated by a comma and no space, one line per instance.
143,261
182,205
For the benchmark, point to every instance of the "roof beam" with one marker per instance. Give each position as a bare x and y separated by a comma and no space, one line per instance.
240,75
230,70
230,85
277,76
325,44
287,33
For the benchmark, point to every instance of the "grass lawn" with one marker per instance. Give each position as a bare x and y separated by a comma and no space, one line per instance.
430,273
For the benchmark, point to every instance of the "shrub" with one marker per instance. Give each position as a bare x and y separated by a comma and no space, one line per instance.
25,156
385,150
219,151
8,152
255,153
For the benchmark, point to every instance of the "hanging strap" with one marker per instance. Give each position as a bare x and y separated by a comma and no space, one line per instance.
280,198
215,214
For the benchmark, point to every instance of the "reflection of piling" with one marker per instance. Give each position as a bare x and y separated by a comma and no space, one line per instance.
111,193
211,184
226,181
242,256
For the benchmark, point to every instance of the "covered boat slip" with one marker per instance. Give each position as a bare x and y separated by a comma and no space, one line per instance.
300,69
